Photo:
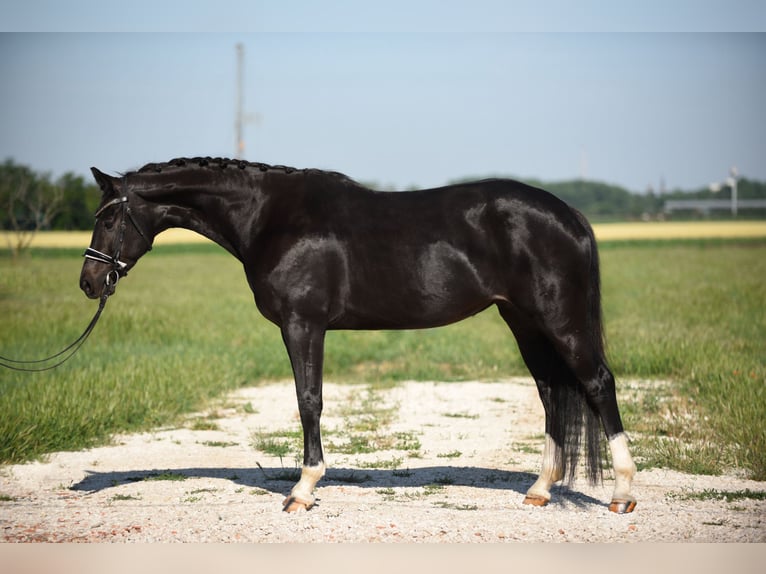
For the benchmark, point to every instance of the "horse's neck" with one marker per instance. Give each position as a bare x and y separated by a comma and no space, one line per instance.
223,222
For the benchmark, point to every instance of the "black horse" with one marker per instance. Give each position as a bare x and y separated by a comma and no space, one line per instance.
322,252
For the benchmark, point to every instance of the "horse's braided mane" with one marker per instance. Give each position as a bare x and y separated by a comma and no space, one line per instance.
223,163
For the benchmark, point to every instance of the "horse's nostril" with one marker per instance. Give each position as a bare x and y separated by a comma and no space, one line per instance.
85,286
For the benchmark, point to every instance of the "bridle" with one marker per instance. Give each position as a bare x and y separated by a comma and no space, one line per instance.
118,267
118,270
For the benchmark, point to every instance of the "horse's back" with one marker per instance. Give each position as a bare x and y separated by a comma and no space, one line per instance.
344,207
490,222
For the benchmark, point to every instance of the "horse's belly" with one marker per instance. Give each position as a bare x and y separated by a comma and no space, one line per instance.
407,316
439,287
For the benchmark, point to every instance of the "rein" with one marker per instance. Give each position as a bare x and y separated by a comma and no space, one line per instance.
26,366
117,271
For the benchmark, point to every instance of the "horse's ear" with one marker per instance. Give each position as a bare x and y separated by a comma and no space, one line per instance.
104,181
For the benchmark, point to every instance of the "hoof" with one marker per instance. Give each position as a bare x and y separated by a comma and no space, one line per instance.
292,504
535,500
622,506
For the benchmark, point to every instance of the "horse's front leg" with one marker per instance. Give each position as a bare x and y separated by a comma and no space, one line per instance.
305,345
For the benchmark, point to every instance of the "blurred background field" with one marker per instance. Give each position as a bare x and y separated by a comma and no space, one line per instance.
640,230
74,239
618,231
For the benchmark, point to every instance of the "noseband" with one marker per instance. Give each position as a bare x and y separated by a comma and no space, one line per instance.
118,267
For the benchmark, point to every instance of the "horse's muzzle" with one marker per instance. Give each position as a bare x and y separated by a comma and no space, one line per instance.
87,288
108,285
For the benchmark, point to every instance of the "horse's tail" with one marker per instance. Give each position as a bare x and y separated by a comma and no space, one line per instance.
575,416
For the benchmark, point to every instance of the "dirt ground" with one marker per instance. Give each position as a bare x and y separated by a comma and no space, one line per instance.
459,459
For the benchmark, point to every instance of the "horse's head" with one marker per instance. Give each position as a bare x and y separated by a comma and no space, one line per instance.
120,237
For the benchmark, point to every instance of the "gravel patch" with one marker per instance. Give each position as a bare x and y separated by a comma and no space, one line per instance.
452,465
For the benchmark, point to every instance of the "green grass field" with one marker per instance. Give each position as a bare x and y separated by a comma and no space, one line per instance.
182,330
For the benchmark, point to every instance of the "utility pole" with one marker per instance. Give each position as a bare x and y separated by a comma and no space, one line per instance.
240,114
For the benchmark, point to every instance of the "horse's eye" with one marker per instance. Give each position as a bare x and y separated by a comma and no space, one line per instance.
109,224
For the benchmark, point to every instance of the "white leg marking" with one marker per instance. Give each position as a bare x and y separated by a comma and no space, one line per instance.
304,488
550,472
624,469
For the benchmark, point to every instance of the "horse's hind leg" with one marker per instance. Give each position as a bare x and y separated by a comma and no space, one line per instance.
587,362
559,372
539,494
538,354
599,385
546,374
624,471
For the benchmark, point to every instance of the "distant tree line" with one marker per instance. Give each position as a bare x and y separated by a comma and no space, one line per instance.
603,201
32,201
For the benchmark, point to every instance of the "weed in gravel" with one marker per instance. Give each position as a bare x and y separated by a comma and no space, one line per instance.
452,506
365,411
406,495
202,490
6,498
193,495
203,425
726,495
279,443
392,464
451,454
433,488
124,497
167,475
365,416
527,448
444,480
402,441
353,444
460,416
219,443
407,441
388,494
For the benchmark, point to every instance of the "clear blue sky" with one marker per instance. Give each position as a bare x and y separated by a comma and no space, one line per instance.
400,93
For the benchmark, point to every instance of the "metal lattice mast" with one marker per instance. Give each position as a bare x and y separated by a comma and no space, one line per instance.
240,114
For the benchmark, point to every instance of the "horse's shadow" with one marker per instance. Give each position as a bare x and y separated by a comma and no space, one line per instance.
281,480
